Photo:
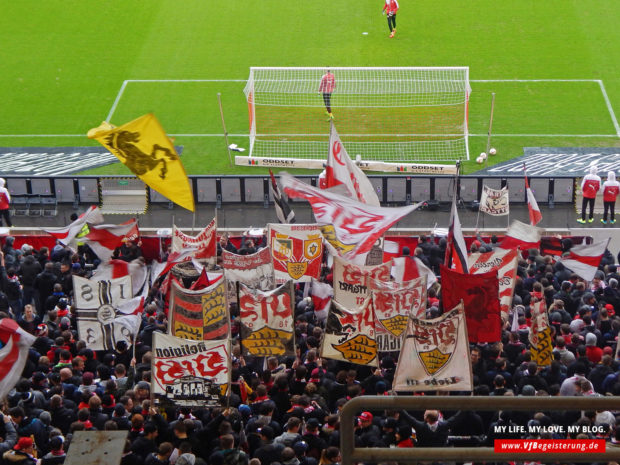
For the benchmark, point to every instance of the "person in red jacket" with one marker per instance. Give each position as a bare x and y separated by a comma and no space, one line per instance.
326,87
590,185
391,7
611,189
5,203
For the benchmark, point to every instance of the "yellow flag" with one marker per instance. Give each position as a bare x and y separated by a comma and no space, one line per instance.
143,146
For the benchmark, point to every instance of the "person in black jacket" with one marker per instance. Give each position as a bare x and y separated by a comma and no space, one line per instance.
28,271
44,285
432,432
268,452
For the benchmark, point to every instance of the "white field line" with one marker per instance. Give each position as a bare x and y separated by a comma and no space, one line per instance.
116,100
609,107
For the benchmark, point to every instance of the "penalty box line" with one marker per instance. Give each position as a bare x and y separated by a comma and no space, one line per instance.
610,109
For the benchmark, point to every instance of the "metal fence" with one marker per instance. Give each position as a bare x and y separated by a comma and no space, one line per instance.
352,454
392,189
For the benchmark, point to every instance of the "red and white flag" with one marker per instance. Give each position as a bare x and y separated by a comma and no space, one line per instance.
129,315
104,238
522,236
585,259
532,205
13,355
349,226
67,234
456,250
118,268
322,294
158,269
505,263
409,268
205,241
341,170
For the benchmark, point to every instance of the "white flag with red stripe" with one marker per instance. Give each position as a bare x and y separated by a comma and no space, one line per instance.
351,227
13,355
66,234
409,268
321,294
532,205
129,315
456,250
505,263
522,236
117,268
205,241
585,259
341,171
104,238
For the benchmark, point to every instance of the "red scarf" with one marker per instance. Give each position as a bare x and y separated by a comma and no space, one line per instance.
87,424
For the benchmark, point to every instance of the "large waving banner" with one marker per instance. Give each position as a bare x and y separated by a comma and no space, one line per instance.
190,373
97,305
255,270
504,262
205,241
393,303
435,355
480,296
351,282
350,334
350,226
199,315
296,250
540,335
267,320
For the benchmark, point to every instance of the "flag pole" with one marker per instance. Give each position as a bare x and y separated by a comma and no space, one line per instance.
486,161
219,101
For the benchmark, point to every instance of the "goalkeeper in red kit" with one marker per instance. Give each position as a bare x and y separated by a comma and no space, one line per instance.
326,87
391,7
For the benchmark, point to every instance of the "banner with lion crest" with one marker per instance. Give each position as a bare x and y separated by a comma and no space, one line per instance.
392,303
351,282
296,251
267,326
199,315
143,146
435,355
350,334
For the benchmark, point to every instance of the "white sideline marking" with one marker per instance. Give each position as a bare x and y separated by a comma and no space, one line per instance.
609,107
118,98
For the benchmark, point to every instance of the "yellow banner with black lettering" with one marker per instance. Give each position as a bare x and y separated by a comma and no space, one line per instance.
143,146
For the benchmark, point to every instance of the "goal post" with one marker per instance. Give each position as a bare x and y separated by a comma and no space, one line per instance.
395,114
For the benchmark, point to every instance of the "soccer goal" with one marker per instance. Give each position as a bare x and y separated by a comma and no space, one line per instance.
382,114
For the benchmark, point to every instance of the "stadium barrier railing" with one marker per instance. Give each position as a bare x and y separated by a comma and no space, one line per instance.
352,454
392,189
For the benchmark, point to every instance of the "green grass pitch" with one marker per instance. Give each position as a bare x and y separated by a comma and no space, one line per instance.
64,62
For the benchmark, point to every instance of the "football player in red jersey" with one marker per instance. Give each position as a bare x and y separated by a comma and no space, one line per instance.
327,86
611,189
590,185
391,7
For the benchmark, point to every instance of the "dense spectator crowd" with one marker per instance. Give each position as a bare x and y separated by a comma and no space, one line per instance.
286,410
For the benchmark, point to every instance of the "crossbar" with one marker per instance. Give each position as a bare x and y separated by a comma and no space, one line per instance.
351,454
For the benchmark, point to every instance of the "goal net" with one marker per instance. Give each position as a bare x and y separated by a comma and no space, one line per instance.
382,114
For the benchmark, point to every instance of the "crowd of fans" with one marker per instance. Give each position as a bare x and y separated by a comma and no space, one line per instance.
286,410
